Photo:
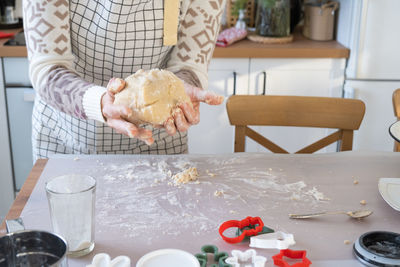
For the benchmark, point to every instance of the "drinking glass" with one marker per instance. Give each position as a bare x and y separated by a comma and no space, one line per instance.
72,204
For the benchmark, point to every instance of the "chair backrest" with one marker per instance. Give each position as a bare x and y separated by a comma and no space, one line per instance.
301,111
396,109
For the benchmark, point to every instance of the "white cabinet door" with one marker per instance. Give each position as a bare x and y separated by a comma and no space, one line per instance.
304,77
6,175
374,130
20,104
214,134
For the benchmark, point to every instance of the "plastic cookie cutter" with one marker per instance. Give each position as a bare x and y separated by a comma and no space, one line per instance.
265,230
255,225
293,254
219,257
277,240
104,260
238,257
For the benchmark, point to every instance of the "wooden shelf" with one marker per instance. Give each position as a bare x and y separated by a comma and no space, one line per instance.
11,51
301,47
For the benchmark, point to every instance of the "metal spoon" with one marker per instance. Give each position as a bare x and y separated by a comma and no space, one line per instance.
353,214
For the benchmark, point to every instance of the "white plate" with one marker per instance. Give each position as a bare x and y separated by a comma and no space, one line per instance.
394,131
168,258
390,191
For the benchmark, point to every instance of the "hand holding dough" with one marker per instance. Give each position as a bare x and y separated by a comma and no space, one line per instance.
152,96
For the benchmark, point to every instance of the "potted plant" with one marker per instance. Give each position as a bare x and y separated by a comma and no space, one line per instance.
239,9
273,18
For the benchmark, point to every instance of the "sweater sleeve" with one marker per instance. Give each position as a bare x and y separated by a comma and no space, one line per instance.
197,35
47,34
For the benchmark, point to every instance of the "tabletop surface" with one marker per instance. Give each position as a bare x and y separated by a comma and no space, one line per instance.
139,210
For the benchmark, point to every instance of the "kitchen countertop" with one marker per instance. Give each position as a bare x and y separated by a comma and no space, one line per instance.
301,47
11,51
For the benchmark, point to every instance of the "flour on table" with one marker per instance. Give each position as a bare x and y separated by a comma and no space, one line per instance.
219,193
135,195
317,195
210,173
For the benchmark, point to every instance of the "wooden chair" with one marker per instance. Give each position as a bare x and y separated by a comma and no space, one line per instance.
396,108
302,111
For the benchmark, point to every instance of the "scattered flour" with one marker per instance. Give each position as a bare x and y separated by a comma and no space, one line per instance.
317,195
219,193
135,195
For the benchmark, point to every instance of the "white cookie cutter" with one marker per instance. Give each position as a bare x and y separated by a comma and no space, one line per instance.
277,240
104,260
238,257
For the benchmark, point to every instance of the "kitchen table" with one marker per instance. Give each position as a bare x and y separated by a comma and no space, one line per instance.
139,209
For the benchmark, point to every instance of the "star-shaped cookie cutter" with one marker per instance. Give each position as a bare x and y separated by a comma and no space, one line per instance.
277,240
293,254
219,257
250,254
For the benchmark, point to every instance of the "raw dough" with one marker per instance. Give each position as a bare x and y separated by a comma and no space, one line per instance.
152,95
186,176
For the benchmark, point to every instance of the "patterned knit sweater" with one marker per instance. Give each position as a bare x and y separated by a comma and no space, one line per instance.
76,46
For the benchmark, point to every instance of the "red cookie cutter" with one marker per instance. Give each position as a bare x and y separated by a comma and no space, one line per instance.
293,254
249,221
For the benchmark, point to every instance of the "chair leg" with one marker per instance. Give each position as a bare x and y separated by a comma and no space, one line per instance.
347,140
240,138
396,146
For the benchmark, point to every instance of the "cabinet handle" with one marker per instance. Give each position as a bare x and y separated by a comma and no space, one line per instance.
264,82
234,83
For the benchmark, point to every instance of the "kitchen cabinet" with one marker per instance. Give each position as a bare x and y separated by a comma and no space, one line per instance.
20,96
20,105
373,69
214,134
278,76
6,173
374,130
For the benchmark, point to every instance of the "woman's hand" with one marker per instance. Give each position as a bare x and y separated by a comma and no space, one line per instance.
186,115
114,114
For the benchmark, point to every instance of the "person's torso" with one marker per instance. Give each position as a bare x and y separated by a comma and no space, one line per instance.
115,38
109,38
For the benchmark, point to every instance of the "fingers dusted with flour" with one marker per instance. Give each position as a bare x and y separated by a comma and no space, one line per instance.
114,114
197,94
187,114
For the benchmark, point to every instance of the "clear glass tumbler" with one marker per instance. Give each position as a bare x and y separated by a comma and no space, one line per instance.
72,206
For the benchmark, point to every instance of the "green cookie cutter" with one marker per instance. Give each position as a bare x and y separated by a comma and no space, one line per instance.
265,230
218,256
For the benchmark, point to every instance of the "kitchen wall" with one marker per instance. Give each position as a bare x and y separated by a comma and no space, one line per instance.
18,8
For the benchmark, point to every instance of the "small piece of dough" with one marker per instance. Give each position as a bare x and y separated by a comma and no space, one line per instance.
219,193
186,176
363,202
152,96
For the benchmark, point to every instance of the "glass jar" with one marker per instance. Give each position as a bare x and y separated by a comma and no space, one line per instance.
273,18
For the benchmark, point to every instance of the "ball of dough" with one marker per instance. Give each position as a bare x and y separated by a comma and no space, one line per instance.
152,95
